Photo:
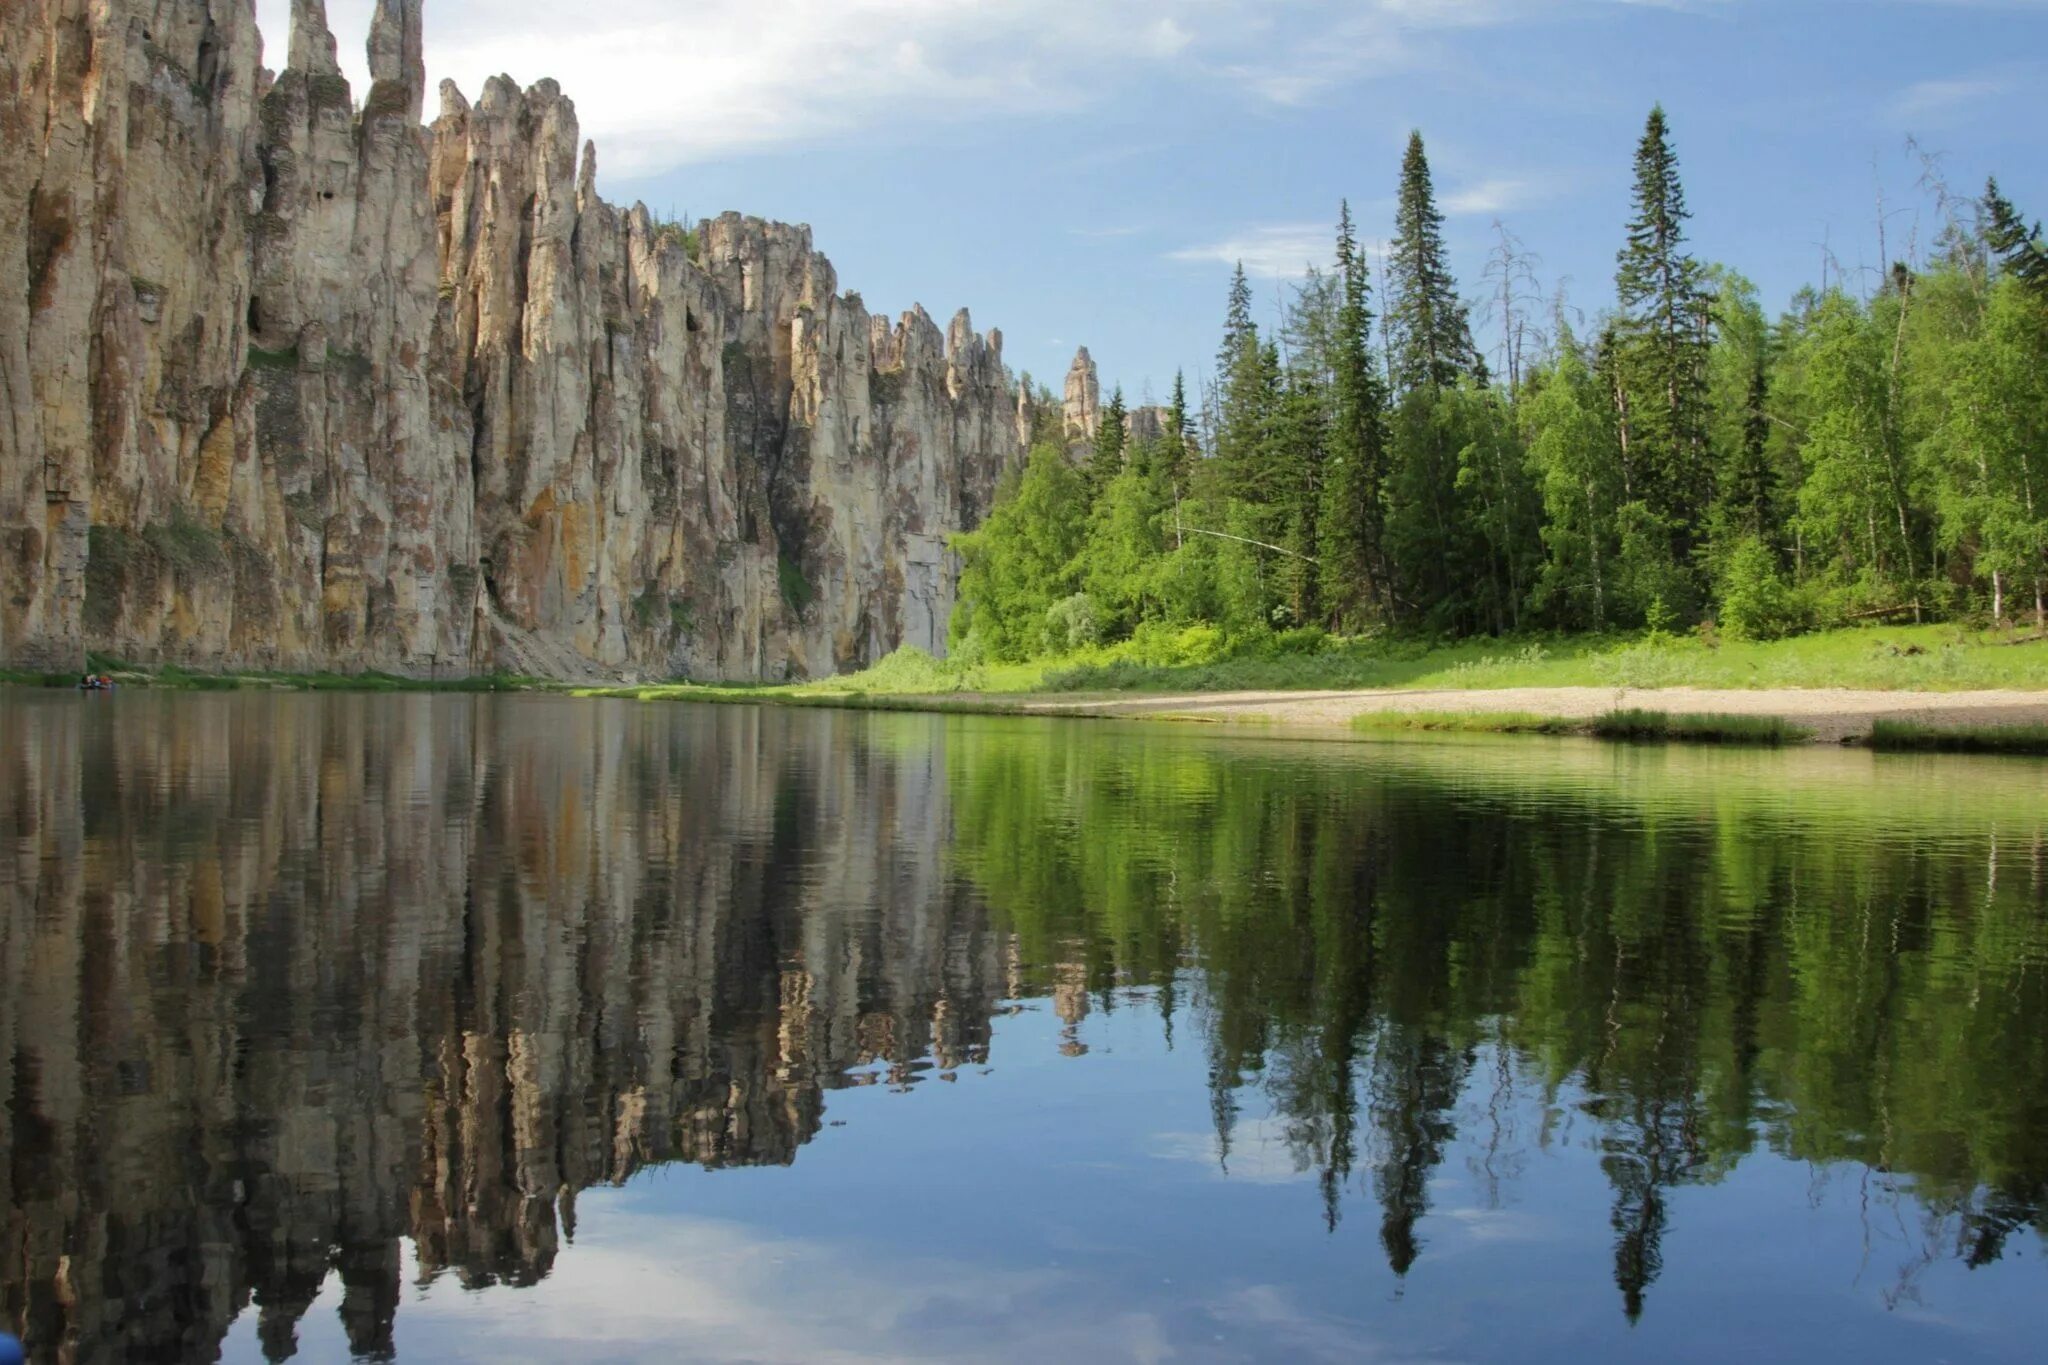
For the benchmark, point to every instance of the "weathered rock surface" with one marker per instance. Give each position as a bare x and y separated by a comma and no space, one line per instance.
1083,405
1147,423
290,382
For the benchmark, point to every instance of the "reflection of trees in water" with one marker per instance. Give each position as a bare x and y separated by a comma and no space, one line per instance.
1686,966
290,979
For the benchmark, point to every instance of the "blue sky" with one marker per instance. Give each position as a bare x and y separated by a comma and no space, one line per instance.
1084,171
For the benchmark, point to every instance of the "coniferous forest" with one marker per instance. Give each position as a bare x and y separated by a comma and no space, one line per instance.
1877,452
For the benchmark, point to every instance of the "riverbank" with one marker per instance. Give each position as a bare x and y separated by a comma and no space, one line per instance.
1928,687
1824,715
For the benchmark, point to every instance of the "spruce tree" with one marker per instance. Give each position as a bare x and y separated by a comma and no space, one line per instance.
1239,331
1297,453
2019,249
1173,441
1245,389
1354,571
1110,439
1662,339
1430,333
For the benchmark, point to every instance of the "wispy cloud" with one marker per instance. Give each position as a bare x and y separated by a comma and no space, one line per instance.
1940,101
1272,251
1484,198
659,88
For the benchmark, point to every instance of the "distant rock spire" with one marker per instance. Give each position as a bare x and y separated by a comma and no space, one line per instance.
396,51
1083,398
312,44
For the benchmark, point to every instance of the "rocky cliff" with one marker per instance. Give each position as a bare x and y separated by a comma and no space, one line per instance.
292,381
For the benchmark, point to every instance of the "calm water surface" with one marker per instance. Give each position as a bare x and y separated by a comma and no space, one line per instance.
517,1028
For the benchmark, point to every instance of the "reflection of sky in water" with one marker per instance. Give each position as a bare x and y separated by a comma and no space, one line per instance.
309,992
1072,1208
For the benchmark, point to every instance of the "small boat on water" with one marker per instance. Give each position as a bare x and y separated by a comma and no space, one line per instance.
95,682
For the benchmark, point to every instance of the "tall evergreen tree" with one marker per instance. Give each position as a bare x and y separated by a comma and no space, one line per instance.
1354,578
1297,453
2019,249
1239,331
1663,337
1430,333
1173,464
1110,439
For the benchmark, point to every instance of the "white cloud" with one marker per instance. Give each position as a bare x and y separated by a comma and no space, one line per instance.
1483,198
1938,101
1277,250
659,84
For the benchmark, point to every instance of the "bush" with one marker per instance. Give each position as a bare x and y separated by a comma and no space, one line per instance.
1072,624
1756,601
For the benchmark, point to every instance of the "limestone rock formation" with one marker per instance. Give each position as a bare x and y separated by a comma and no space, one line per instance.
290,382
1083,406
1146,423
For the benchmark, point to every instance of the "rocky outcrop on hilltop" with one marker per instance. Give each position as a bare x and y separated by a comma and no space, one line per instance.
1083,406
290,380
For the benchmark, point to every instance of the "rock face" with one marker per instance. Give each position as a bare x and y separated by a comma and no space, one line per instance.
1147,423
287,382
1083,406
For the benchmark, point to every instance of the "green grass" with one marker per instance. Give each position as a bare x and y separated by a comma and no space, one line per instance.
1633,726
1468,723
1943,658
1907,736
1668,726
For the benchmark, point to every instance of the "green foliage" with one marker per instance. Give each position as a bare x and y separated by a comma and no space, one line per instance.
1876,457
1072,623
796,589
1906,736
1111,437
1021,560
676,232
1756,601
1430,331
1356,582
1695,729
1661,343
286,359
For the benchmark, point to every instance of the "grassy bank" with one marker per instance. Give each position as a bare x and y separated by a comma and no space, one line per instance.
1905,736
1943,658
1628,726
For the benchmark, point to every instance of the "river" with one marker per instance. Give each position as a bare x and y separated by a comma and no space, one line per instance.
506,1028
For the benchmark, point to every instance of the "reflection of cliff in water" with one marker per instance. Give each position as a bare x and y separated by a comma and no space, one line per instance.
291,979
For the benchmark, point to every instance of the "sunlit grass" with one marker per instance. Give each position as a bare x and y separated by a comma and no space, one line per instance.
1943,658
1906,736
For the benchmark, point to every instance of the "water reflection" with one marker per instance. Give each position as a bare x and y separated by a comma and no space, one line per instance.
315,996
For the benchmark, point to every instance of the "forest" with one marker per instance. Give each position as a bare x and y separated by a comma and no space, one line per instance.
1879,452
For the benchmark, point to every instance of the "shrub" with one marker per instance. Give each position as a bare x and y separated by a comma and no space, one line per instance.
1072,624
1756,601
